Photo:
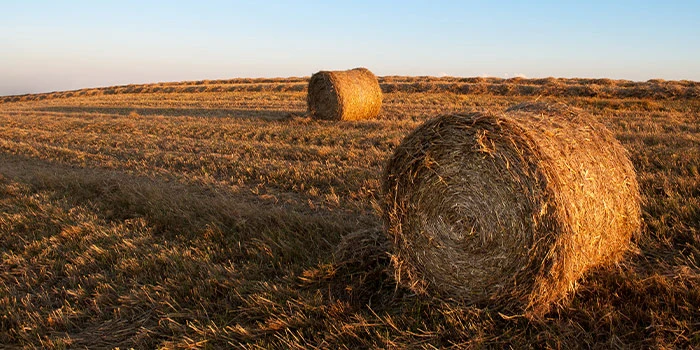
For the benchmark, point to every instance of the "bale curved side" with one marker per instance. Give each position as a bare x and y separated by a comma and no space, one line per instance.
509,208
344,95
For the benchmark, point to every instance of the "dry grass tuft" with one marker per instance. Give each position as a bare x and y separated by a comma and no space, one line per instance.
509,208
344,95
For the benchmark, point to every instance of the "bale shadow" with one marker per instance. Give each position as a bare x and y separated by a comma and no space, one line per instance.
176,209
267,114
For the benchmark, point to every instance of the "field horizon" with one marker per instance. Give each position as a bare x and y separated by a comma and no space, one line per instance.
591,87
217,213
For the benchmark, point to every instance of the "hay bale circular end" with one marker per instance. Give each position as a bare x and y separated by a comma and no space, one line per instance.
344,95
508,208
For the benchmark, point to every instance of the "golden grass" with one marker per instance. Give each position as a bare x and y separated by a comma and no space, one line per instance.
195,219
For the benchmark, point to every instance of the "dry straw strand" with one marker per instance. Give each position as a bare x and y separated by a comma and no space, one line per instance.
508,209
344,95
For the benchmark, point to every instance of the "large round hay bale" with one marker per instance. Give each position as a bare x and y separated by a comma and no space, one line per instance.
344,95
508,208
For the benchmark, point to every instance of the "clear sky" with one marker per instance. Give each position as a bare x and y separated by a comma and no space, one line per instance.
62,45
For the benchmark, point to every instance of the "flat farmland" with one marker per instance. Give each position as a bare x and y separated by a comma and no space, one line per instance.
217,213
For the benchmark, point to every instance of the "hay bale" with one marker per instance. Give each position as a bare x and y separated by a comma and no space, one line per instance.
508,209
344,95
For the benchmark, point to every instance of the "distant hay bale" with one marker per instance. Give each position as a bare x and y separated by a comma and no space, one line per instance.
508,208
344,95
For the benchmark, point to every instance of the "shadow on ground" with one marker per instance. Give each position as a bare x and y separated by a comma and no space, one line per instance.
270,114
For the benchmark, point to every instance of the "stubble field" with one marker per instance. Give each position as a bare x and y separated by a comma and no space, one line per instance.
212,214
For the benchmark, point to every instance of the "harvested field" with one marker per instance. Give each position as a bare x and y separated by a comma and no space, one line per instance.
217,213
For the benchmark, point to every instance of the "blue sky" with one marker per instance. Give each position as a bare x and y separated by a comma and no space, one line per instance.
62,45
